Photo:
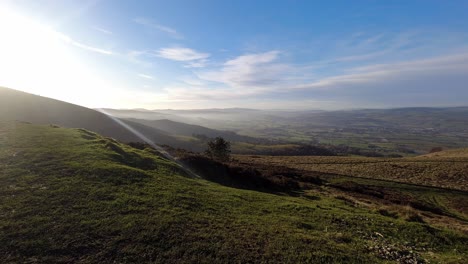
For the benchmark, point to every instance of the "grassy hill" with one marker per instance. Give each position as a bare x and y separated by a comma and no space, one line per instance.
70,195
16,105
452,153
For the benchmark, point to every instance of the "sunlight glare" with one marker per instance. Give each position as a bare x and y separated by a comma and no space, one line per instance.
34,58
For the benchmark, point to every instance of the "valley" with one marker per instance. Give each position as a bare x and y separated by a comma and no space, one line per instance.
370,132
70,195
78,185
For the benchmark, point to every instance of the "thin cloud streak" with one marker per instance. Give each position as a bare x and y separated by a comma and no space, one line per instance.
145,76
197,64
107,32
90,48
181,54
149,23
417,69
374,77
83,46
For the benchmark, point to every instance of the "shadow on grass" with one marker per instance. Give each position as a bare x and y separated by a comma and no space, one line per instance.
271,179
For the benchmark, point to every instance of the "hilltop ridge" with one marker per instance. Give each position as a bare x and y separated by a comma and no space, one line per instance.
21,106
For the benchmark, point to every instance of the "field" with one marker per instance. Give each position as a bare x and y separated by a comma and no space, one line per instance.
434,184
70,195
384,132
445,169
404,131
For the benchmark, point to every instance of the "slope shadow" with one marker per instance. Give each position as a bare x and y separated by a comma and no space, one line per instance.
271,179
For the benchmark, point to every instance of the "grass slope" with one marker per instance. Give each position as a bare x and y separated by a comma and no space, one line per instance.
452,153
442,169
16,105
69,195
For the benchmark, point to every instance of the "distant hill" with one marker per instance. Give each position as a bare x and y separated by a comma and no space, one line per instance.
143,114
371,132
212,118
415,118
21,106
178,128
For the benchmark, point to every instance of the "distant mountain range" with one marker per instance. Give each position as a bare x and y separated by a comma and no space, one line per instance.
183,129
21,106
402,131
16,105
399,131
251,119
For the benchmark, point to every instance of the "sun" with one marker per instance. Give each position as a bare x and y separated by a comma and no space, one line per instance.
37,59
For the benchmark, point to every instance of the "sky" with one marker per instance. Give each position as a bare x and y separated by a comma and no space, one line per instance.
252,54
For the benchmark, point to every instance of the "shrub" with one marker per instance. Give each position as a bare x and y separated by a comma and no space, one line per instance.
219,149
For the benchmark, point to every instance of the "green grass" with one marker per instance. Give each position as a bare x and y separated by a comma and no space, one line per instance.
432,170
70,195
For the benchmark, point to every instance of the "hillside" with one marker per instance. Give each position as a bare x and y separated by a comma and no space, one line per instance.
70,195
452,153
16,105
447,169
183,129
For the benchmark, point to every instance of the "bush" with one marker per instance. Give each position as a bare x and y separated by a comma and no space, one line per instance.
219,149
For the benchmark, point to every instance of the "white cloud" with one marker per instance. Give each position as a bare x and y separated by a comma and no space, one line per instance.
251,70
145,76
149,23
181,54
196,64
90,48
85,47
192,81
107,32
438,81
253,59
420,82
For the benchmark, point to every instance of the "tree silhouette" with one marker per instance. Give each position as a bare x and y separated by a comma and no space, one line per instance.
219,149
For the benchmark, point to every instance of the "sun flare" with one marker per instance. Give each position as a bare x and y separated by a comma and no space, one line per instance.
35,58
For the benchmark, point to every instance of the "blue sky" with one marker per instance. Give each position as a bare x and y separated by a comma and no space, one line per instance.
256,54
